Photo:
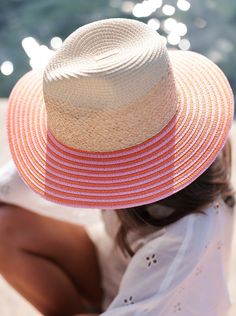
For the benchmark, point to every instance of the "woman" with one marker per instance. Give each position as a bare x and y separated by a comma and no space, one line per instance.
123,125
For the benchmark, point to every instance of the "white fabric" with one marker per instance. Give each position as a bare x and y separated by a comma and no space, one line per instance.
189,277
180,270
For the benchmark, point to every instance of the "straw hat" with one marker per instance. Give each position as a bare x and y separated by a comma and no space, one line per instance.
115,120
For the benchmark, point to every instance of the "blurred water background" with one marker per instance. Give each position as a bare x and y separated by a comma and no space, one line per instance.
31,30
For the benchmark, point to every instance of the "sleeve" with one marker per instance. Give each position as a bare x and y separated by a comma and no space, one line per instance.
175,274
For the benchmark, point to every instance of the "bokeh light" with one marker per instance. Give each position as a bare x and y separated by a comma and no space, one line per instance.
7,68
154,24
181,29
184,44
169,25
41,57
146,8
56,42
39,54
215,55
141,10
224,45
30,45
183,5
168,9
156,4
173,38
200,23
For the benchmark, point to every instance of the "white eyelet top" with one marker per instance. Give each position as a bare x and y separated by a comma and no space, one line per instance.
180,270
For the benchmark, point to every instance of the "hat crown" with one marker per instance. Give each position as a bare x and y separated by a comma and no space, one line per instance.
103,80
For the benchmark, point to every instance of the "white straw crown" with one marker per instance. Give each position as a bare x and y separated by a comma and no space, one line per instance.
112,79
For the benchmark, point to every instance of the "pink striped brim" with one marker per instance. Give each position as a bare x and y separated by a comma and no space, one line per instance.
139,175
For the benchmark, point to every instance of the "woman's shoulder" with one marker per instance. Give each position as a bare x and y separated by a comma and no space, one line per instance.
184,265
214,223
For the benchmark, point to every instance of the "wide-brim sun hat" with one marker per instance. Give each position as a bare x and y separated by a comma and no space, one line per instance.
115,120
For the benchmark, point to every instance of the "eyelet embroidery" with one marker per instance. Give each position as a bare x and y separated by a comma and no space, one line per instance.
217,206
219,245
151,259
199,270
129,301
177,307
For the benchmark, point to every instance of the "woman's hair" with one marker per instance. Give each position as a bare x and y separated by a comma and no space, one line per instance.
194,198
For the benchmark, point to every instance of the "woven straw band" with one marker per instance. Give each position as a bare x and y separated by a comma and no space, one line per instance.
112,79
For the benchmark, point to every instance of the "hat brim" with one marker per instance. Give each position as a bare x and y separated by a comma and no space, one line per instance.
139,175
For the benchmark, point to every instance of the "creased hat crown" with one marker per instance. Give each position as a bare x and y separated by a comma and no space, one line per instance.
109,87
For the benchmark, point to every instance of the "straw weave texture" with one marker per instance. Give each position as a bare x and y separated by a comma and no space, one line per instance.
110,79
190,107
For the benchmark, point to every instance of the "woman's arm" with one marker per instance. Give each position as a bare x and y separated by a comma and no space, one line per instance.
52,263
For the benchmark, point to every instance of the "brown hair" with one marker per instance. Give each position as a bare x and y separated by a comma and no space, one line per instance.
205,189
